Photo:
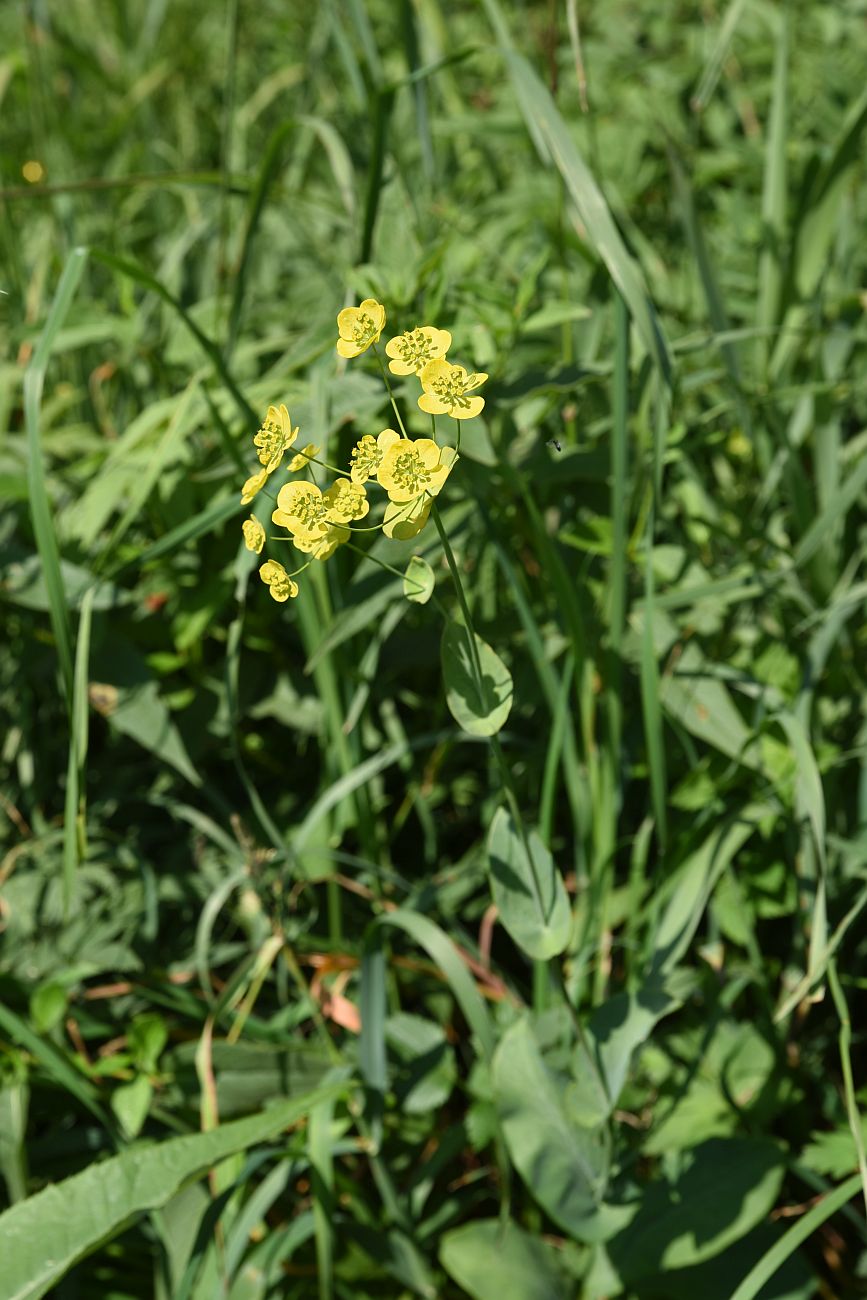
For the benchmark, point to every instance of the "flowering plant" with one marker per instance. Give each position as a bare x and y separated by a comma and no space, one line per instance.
411,471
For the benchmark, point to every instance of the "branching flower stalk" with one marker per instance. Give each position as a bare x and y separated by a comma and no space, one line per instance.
411,471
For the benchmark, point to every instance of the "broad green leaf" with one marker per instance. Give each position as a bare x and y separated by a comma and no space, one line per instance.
614,1031
563,1163
703,704
492,1260
478,703
418,581
426,1071
528,889
42,1237
723,1189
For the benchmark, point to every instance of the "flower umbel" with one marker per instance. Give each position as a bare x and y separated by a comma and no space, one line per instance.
316,520
367,454
274,437
411,467
446,388
301,509
254,535
411,351
346,501
277,580
359,327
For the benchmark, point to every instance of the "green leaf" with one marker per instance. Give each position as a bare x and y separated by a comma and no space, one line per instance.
491,1260
40,508
418,581
131,1103
527,889
425,1062
724,1188
616,1029
563,1163
555,144
47,1005
479,705
42,1237
691,886
800,1231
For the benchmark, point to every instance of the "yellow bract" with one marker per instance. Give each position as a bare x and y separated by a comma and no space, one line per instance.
303,457
411,351
367,454
405,516
325,545
253,485
404,520
358,327
277,580
254,535
446,388
274,437
411,467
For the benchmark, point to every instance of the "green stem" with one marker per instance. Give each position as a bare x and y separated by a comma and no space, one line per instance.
324,463
540,985
388,386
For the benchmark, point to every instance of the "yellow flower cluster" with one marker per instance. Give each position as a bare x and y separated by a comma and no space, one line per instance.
421,351
412,471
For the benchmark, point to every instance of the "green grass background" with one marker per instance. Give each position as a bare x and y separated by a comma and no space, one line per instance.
646,223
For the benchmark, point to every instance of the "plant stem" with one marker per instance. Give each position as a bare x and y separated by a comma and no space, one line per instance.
540,984
388,386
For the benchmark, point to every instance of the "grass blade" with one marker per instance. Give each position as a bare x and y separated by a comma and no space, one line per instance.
799,1232
40,509
545,123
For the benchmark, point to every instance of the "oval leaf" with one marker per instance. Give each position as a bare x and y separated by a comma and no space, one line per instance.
528,890
418,581
562,1162
490,1260
480,708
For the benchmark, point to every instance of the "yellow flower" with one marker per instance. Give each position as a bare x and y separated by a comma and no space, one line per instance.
277,581
346,501
274,437
254,535
410,468
411,351
404,520
301,458
359,327
301,509
310,514
253,485
367,454
445,390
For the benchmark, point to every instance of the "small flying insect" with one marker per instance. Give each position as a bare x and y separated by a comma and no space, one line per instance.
554,442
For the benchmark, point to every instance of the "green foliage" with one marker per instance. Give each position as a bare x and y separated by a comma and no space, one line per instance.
521,879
